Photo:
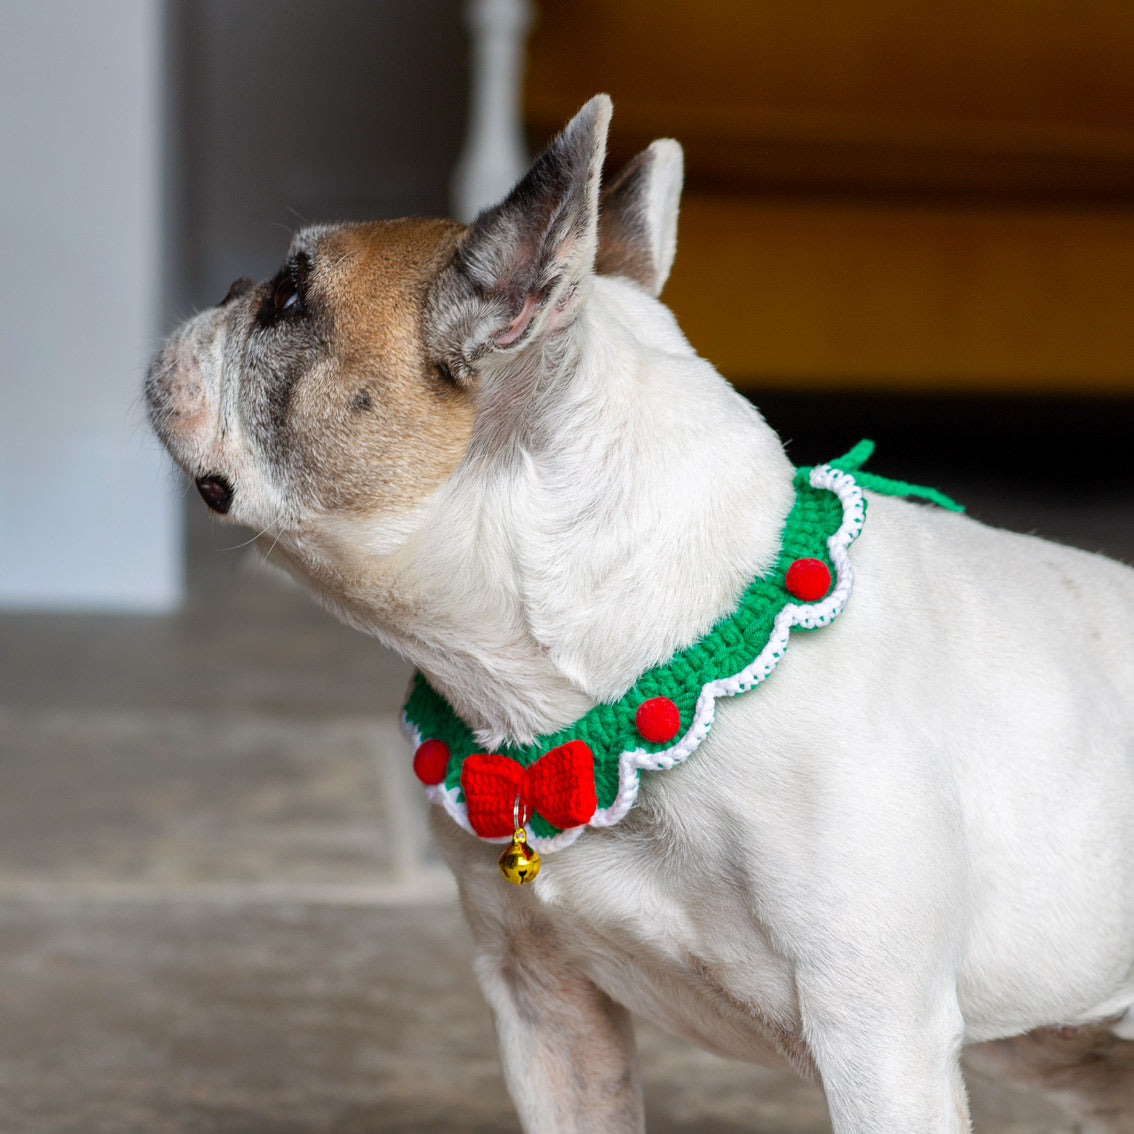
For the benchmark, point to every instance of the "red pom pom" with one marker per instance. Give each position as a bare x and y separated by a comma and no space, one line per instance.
808,579
657,719
431,761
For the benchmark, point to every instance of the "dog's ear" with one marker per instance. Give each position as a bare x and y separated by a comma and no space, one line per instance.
638,218
523,265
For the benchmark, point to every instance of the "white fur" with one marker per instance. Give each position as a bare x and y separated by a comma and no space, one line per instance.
918,833
633,761
662,208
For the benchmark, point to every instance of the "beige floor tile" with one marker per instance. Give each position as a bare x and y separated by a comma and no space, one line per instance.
175,799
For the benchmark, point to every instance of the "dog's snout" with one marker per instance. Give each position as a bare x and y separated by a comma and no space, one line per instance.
236,289
216,491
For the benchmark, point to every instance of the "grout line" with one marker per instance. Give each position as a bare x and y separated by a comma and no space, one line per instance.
119,719
431,886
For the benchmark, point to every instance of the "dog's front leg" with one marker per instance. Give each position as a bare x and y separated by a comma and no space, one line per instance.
567,1048
889,1065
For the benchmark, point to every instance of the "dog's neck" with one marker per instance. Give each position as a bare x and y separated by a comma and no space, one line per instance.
587,540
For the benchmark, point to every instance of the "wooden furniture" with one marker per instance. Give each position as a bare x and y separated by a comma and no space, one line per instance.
886,195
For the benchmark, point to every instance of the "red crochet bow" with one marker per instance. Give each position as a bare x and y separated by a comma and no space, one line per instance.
560,785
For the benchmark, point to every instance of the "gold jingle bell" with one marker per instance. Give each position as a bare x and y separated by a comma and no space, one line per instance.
519,863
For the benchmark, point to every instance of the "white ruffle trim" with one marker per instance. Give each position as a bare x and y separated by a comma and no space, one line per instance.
630,763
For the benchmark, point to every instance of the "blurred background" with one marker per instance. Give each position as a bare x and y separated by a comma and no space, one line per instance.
899,218
903,220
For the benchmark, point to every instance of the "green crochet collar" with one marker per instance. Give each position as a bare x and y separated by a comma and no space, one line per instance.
588,773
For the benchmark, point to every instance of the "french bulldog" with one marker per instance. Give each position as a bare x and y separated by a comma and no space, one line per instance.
492,447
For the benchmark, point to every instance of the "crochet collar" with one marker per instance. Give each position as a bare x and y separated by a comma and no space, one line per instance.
587,774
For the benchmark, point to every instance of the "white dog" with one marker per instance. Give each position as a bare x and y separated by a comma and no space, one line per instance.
493,448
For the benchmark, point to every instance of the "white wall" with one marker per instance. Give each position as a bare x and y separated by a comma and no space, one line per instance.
88,515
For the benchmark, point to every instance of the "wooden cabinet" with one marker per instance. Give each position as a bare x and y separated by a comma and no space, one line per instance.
880,195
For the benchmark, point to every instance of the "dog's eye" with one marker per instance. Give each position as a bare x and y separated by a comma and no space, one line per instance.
286,294
286,299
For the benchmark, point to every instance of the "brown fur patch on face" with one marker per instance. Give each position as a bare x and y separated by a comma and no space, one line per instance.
374,426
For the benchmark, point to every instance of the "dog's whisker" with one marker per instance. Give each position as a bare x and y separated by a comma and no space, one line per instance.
252,540
275,541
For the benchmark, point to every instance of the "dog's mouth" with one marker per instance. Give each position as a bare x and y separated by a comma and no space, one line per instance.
216,491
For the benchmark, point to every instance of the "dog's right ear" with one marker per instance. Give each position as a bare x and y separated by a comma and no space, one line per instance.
638,218
523,266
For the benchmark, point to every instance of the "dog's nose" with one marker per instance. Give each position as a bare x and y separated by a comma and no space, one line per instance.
216,492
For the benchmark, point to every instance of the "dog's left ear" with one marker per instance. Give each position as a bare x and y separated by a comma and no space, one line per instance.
523,265
638,218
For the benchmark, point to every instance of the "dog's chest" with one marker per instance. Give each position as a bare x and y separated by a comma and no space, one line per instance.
677,955
658,919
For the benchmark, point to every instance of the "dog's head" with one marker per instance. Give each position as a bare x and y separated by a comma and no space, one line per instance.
490,445
347,388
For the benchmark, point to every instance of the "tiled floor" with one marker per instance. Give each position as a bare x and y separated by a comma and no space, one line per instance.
218,911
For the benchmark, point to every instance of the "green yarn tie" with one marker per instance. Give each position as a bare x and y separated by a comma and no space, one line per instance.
853,461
